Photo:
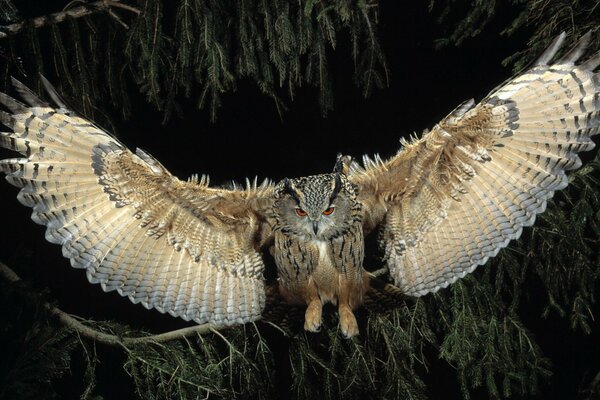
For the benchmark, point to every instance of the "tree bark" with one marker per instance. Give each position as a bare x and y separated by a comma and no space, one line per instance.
75,12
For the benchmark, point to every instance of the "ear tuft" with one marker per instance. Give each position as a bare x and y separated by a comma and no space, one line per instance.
287,187
342,164
337,186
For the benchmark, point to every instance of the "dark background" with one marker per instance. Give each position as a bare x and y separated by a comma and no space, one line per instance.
249,139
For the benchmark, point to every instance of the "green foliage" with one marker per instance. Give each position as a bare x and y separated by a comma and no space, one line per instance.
238,363
382,364
35,353
488,344
201,48
544,18
8,12
565,237
478,15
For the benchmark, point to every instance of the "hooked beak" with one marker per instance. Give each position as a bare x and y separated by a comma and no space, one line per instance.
315,226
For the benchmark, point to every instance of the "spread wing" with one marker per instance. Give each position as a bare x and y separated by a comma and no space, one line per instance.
449,201
180,247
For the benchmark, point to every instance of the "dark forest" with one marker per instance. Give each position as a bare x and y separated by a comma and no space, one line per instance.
272,103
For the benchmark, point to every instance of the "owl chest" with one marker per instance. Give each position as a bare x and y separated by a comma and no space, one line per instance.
322,265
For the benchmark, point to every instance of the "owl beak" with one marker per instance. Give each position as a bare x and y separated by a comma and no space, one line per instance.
315,226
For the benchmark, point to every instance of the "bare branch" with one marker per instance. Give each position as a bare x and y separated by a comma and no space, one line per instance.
118,19
8,274
106,338
116,4
75,12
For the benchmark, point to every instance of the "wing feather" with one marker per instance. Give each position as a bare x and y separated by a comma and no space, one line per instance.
449,201
178,247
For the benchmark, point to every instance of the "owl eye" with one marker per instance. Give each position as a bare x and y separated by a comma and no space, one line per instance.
329,211
301,212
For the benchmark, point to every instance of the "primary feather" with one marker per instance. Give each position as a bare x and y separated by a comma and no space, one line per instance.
449,201
178,247
443,205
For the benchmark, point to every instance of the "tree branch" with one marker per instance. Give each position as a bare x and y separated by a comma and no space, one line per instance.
106,338
117,4
75,12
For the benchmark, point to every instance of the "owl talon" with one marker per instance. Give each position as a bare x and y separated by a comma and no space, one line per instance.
312,317
348,324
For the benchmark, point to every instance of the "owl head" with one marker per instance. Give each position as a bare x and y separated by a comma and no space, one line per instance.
316,207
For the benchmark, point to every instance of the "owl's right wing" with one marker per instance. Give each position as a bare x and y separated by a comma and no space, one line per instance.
179,247
454,198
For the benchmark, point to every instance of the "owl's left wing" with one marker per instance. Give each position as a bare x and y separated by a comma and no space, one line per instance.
179,247
449,201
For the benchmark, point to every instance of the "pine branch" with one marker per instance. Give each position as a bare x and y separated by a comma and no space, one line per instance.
170,49
8,11
546,18
75,12
105,338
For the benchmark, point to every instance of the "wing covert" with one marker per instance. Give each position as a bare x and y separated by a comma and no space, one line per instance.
180,247
454,198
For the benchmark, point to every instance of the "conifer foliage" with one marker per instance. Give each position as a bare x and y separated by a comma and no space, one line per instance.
475,332
543,18
199,48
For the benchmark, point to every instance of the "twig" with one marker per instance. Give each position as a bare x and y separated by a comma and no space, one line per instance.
118,19
116,4
75,12
8,274
105,338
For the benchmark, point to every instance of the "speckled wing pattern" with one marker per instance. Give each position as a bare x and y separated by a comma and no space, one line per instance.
454,198
179,247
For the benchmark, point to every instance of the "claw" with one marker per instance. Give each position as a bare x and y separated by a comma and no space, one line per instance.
312,317
348,323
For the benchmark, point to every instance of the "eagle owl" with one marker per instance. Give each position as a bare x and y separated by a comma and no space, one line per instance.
441,206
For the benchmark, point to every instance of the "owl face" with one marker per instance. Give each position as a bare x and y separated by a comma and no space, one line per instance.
315,207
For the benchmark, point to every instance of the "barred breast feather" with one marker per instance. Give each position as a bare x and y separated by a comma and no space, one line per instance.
178,247
454,198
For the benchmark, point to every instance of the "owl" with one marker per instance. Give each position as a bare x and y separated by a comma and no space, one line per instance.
440,207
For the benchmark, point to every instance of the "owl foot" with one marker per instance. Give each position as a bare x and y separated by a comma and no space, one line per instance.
312,317
348,323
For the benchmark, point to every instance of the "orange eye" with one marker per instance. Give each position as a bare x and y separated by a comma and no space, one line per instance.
329,211
301,212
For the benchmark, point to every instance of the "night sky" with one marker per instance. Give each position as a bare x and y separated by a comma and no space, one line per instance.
249,139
